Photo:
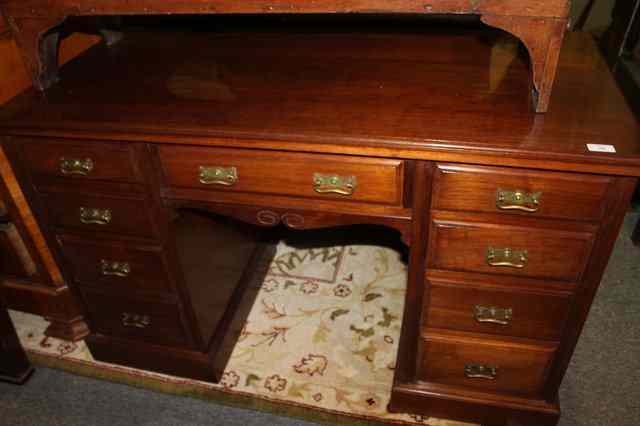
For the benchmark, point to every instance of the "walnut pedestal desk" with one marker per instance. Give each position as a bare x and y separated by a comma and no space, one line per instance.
509,216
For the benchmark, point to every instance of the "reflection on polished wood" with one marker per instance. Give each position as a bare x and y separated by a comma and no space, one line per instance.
540,25
372,105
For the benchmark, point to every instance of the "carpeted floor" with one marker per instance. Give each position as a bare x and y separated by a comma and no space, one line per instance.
53,397
602,385
598,389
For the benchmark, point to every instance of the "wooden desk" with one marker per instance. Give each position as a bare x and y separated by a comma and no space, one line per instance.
509,217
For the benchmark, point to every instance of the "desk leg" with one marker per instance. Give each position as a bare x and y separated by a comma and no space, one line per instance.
543,39
14,365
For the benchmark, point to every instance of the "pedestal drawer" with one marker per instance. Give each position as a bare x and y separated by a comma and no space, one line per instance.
494,310
520,191
123,316
493,366
85,160
99,213
325,177
509,250
116,266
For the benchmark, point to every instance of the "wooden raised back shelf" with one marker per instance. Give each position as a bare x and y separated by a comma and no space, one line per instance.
540,24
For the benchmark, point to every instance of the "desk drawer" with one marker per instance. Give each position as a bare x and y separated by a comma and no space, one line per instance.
487,365
116,266
509,250
492,310
520,191
123,316
99,213
86,160
330,177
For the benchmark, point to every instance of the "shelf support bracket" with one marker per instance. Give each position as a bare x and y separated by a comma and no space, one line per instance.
543,39
38,39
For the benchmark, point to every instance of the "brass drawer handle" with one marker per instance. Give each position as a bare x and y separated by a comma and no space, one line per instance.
507,257
135,320
76,166
476,371
214,175
518,200
492,314
118,269
95,216
343,185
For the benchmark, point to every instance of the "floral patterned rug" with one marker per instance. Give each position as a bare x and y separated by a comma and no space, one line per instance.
322,334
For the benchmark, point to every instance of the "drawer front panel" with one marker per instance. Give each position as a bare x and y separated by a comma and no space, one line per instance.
99,213
329,177
519,191
496,311
509,250
86,160
119,316
485,365
115,266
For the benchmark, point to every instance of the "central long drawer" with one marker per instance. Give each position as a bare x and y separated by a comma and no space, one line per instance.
323,177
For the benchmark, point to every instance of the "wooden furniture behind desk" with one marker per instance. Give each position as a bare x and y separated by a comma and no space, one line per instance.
509,217
31,280
14,365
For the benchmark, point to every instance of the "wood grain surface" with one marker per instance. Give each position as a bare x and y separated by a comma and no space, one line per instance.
392,97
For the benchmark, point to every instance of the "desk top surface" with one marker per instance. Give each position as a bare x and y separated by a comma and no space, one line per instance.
416,94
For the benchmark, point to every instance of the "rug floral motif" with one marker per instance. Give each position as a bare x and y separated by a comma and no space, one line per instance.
323,333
